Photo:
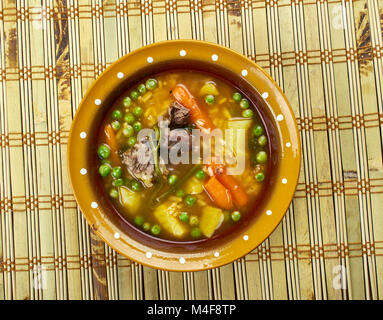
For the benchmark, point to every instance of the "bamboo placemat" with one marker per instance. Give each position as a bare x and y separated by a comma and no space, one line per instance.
325,55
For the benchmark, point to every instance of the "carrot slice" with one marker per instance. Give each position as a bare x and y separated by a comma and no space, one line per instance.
202,121
218,193
110,140
239,195
197,115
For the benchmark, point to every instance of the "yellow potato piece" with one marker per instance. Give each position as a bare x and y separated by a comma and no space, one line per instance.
209,88
239,127
193,186
211,220
167,216
130,200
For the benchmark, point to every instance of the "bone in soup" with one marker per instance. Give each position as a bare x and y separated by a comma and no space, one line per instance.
162,155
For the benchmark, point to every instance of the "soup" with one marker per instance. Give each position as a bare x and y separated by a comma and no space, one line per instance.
183,155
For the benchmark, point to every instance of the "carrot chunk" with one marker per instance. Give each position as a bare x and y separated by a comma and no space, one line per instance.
239,195
110,140
218,193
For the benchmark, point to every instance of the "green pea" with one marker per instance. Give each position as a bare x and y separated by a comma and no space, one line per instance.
104,170
128,131
194,221
146,226
172,179
235,216
259,177
257,131
139,220
116,172
127,102
209,99
129,118
184,216
244,104
248,113
262,140
132,141
137,126
118,182
103,152
261,157
116,125
136,185
237,96
156,229
180,193
137,111
190,200
151,84
141,88
200,174
134,94
116,114
113,193
196,232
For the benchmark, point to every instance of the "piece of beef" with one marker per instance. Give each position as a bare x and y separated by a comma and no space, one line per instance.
139,162
179,115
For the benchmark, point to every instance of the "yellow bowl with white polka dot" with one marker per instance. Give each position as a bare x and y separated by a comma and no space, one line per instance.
222,62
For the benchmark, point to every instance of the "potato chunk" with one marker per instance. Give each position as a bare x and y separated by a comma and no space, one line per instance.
167,215
209,88
193,186
211,220
130,200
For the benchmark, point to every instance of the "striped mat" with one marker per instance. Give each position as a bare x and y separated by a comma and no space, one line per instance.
327,57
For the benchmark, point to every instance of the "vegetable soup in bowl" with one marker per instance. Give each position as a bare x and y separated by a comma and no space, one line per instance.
184,155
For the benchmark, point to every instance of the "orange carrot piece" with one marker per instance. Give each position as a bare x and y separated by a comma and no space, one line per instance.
218,193
110,140
202,121
197,115
239,195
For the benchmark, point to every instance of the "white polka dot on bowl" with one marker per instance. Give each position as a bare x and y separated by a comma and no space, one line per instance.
117,235
284,180
245,237
149,255
182,260
120,75
214,57
150,59
182,53
265,95
244,72
94,205
97,102
216,254
83,171
279,117
83,135
269,212
288,144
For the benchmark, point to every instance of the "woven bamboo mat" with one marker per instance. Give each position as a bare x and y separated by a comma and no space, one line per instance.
325,55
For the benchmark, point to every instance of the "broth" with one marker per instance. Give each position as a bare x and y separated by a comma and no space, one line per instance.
182,202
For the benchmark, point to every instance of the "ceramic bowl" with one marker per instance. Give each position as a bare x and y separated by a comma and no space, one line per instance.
242,73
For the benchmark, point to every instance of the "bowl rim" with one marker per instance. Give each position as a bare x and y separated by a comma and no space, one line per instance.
285,122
